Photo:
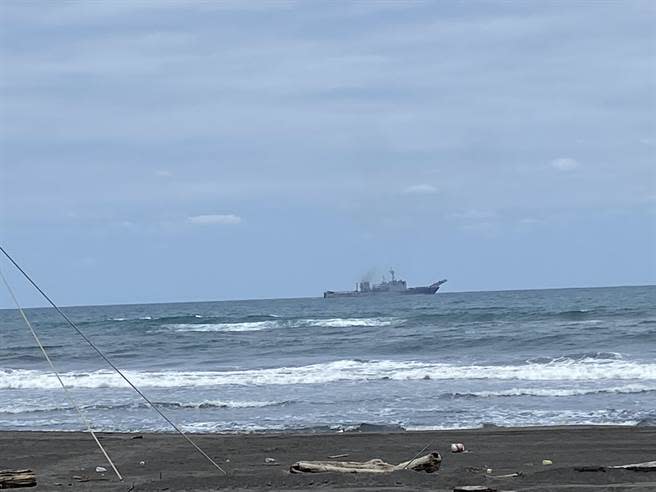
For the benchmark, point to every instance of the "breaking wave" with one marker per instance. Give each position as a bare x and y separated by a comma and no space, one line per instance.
560,369
346,322
34,407
223,327
556,392
270,324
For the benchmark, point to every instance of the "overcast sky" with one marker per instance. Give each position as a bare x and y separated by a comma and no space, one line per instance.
170,151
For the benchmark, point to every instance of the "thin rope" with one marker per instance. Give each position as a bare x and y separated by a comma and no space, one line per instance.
71,400
111,364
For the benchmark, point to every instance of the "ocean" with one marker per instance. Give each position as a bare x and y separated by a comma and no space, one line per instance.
453,360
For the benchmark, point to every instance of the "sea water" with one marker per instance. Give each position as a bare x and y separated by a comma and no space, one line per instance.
453,360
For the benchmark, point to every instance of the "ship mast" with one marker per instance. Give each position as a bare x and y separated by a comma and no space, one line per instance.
392,274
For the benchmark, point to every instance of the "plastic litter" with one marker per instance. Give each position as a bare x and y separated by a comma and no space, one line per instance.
457,447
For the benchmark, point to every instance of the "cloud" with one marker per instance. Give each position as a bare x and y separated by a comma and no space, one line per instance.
214,219
420,189
565,163
163,173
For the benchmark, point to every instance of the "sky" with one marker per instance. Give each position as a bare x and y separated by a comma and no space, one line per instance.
186,151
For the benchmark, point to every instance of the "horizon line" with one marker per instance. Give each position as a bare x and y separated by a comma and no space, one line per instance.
319,297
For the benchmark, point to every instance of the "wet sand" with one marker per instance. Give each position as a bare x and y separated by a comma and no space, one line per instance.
67,461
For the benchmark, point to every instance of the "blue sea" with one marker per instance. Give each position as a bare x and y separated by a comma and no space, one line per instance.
453,360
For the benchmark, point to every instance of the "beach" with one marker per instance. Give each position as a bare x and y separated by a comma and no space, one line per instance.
255,245
67,460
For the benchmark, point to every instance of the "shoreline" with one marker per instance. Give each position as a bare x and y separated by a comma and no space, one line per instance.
171,463
363,428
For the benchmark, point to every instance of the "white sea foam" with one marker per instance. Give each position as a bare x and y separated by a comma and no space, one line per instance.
233,404
230,427
265,325
589,369
511,417
225,327
145,318
561,392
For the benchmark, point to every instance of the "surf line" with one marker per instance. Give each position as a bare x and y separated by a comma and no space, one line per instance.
111,364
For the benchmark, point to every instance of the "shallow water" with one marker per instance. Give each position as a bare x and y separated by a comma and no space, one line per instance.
570,356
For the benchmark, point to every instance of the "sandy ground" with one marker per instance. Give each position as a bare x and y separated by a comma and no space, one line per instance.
67,461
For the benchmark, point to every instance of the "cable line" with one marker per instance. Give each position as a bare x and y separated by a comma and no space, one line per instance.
71,400
111,364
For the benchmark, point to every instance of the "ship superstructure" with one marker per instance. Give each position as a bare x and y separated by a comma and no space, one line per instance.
386,287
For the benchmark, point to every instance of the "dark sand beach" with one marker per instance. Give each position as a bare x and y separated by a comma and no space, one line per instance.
67,461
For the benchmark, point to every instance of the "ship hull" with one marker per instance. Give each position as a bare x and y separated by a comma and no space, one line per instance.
429,290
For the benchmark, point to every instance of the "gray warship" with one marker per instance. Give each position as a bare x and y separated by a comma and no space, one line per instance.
391,287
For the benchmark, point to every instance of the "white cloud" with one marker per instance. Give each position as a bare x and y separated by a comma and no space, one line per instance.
163,173
565,163
420,189
215,219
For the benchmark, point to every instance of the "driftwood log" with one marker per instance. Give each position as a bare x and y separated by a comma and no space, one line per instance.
13,479
646,466
429,463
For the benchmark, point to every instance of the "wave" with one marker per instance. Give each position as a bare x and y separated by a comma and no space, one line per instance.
276,323
578,356
593,317
221,327
33,407
585,322
180,317
555,392
508,314
561,369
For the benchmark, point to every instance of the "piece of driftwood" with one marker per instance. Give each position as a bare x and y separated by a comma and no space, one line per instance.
429,463
474,488
13,479
509,475
645,466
